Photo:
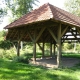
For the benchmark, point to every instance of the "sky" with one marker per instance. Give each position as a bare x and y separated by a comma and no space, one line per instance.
57,3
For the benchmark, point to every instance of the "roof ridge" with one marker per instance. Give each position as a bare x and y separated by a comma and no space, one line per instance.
50,11
57,8
46,12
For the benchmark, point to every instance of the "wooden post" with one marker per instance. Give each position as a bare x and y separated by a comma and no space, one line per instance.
43,50
21,45
18,49
59,47
18,45
51,49
59,53
54,49
34,51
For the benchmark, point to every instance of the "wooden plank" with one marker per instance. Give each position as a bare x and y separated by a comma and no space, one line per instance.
50,31
40,33
64,31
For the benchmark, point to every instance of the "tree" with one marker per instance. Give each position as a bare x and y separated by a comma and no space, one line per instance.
73,6
19,7
2,10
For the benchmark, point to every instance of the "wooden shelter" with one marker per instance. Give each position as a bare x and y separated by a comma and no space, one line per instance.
47,24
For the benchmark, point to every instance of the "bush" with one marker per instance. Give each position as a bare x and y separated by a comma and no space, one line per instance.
5,44
21,59
7,54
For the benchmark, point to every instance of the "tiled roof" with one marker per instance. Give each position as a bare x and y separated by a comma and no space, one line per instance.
46,12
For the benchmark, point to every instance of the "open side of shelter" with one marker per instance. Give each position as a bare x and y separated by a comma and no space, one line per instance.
47,24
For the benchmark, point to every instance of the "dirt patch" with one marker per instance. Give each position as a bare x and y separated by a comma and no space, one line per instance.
52,62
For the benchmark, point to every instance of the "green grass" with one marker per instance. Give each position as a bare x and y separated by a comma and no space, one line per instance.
71,55
68,55
10,70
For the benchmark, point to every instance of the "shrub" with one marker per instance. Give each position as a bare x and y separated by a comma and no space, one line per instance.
7,54
21,59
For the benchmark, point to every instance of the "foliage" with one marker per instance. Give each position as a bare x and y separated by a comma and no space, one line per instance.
73,6
7,54
67,46
10,70
22,59
20,7
2,33
2,10
4,44
78,47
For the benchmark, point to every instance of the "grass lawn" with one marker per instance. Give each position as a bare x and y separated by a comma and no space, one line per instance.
10,70
71,55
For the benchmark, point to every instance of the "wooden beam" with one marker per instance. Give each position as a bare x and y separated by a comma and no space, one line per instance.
30,35
51,32
39,46
73,33
51,49
40,33
70,38
42,48
64,31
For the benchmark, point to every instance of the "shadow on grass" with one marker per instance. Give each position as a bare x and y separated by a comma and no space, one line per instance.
30,55
19,71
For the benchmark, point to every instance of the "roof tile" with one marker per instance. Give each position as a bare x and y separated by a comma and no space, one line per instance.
45,12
